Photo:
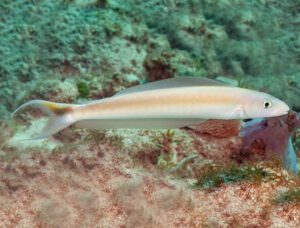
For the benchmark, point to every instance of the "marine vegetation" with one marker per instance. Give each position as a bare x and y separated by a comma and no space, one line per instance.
291,196
110,59
83,89
216,178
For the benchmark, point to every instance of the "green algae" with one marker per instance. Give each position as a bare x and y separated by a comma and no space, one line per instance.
216,178
83,89
290,196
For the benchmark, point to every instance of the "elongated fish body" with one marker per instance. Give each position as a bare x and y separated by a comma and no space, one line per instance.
170,103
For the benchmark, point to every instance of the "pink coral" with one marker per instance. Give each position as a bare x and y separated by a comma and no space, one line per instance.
269,138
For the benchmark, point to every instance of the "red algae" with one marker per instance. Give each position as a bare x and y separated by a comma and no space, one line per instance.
219,128
108,191
92,181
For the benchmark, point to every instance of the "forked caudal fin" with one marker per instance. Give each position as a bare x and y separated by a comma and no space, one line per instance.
60,116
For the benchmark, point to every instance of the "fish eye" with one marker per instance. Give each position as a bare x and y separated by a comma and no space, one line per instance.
267,104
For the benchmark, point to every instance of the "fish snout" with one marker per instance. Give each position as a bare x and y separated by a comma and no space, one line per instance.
286,108
283,110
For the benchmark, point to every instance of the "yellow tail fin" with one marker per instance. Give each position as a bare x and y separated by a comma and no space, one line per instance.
60,116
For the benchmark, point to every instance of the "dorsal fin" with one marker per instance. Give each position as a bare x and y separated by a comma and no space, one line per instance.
171,83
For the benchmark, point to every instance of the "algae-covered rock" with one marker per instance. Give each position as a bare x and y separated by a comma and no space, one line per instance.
54,39
73,51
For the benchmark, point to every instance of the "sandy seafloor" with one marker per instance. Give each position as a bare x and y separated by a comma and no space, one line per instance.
74,51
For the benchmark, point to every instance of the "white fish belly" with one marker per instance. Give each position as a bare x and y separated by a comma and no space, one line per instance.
137,123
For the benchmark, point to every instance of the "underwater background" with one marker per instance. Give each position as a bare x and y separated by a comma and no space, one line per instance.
73,51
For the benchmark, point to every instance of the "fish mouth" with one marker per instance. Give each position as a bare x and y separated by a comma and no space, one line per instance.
286,110
282,111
